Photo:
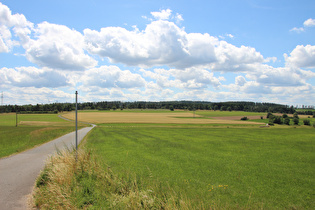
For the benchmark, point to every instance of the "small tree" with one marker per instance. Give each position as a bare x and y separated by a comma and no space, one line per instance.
171,108
296,121
278,120
269,115
286,121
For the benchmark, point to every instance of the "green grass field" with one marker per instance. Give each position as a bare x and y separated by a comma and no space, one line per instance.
179,162
246,168
32,130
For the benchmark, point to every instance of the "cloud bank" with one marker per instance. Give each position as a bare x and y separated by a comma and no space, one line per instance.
160,62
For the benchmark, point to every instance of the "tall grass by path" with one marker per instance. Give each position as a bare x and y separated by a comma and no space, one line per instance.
218,167
68,182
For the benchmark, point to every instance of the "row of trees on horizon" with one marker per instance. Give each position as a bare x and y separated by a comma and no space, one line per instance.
172,105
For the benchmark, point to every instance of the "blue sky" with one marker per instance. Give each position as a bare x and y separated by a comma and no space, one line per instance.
246,50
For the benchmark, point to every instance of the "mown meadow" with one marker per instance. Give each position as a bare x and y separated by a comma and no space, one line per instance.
31,130
189,166
216,167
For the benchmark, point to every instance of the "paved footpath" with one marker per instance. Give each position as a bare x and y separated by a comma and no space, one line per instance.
18,173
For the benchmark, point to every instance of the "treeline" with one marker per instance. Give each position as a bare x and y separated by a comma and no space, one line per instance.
186,105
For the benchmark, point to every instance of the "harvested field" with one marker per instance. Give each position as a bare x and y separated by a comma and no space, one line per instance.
138,117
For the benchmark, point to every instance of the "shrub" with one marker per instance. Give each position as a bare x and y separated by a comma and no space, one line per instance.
269,115
278,120
306,122
244,118
296,121
287,121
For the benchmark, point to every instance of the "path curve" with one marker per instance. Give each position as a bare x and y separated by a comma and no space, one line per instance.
18,173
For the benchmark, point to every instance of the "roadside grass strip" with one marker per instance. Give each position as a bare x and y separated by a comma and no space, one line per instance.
68,182
32,130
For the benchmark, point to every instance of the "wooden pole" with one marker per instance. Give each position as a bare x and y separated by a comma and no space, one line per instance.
76,122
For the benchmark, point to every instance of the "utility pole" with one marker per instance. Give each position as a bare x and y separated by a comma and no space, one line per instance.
2,98
76,123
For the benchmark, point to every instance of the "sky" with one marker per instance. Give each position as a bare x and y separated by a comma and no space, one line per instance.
145,50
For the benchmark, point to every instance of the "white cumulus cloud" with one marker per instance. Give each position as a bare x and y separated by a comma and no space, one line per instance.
162,15
112,77
164,43
301,57
32,77
309,22
16,23
57,46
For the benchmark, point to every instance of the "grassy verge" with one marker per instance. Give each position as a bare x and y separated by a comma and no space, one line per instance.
67,183
32,130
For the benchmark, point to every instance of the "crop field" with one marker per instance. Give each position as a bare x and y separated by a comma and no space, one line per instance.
165,117
32,130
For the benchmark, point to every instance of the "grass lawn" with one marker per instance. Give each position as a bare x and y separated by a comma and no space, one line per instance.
32,130
207,113
215,167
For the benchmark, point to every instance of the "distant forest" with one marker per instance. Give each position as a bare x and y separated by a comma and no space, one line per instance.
171,105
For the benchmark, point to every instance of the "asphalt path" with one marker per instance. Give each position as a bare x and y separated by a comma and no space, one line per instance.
18,172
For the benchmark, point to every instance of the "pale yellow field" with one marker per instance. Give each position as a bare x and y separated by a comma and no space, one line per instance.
130,117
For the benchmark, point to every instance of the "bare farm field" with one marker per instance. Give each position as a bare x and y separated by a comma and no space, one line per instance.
177,117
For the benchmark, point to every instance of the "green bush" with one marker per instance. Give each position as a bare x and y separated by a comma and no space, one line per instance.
278,120
306,122
270,115
296,121
244,118
286,121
